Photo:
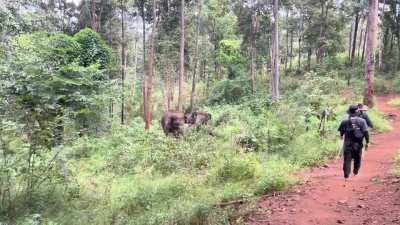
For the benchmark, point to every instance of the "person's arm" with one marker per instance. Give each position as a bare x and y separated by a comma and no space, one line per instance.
342,129
364,128
366,135
369,123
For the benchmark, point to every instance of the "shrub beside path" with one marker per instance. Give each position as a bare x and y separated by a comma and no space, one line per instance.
372,197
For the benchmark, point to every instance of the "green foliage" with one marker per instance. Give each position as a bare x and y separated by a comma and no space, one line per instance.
45,74
310,149
396,84
45,91
92,49
380,124
235,169
382,86
229,91
395,102
230,57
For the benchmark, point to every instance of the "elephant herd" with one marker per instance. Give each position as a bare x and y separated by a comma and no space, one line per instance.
172,122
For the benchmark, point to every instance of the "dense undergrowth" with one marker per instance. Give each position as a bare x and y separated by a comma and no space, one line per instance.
252,146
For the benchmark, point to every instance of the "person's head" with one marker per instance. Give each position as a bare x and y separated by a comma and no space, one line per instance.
353,110
362,107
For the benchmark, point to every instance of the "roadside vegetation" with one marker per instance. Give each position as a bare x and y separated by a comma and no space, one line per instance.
79,78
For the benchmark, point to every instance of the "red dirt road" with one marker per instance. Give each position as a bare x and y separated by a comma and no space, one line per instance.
372,197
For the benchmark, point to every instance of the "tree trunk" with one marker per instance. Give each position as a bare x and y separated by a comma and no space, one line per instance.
61,8
360,39
253,50
134,76
291,50
309,54
123,58
93,22
380,52
353,50
350,41
275,55
182,59
167,86
320,51
391,43
300,37
287,41
381,40
149,88
364,43
384,46
370,53
144,58
111,107
196,57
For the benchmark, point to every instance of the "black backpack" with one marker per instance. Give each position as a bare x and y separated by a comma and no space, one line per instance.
354,130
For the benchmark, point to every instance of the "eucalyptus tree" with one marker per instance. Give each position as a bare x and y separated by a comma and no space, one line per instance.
369,69
275,53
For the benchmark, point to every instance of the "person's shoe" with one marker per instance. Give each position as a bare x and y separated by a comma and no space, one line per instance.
355,173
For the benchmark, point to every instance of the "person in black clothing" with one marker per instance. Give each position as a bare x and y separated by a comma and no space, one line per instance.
354,130
362,114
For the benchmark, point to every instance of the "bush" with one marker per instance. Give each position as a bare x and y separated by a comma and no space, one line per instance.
229,91
276,175
380,124
382,86
310,149
395,102
235,169
396,83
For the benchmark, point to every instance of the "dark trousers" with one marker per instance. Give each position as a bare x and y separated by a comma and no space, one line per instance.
352,152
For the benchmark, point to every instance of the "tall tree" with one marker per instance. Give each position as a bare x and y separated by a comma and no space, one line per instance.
123,59
356,22
182,59
350,41
287,41
369,69
300,33
360,40
255,26
196,57
141,4
149,85
94,22
275,53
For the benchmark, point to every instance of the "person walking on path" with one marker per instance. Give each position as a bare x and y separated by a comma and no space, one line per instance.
362,114
354,130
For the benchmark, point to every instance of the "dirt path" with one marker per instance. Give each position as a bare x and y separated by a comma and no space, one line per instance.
372,197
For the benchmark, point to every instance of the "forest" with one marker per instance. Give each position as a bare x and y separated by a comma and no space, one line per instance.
84,85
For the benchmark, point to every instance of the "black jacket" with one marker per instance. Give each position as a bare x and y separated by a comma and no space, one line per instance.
344,125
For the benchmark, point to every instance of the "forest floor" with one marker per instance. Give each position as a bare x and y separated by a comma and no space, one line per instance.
372,197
